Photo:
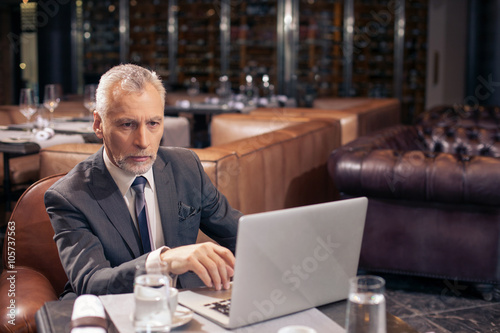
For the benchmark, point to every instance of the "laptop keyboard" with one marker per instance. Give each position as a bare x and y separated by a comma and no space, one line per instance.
221,306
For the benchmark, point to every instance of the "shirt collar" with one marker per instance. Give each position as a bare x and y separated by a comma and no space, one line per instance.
125,179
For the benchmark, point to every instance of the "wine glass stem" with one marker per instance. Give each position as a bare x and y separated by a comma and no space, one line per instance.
28,124
51,119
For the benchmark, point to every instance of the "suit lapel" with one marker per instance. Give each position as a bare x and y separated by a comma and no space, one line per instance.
111,202
167,200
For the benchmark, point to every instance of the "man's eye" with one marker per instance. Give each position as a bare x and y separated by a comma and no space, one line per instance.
127,125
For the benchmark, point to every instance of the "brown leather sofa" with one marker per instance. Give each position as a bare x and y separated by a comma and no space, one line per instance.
357,116
434,203
372,113
279,168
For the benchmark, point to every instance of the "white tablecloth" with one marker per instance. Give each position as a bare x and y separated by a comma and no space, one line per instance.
176,132
83,127
16,137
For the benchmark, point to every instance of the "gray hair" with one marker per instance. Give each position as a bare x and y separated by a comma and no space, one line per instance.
125,78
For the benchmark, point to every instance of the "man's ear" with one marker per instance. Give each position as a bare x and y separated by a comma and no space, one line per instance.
97,126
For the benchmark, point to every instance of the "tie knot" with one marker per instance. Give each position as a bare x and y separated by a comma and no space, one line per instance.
139,184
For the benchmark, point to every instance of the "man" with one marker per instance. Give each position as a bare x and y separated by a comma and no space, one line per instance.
92,209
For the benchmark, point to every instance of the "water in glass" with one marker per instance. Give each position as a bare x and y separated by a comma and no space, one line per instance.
27,105
152,313
366,306
51,97
51,100
89,97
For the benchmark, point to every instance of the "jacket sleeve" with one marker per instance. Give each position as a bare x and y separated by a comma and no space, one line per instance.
82,252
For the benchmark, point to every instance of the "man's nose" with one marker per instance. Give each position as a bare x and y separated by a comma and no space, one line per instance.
142,139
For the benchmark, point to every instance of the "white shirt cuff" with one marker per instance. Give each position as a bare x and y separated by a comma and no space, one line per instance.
153,261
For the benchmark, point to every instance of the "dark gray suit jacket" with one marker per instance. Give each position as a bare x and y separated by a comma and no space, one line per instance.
97,241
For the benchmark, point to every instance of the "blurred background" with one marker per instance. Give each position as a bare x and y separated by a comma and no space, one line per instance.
424,52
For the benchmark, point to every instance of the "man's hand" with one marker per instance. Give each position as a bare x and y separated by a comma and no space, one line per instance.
213,263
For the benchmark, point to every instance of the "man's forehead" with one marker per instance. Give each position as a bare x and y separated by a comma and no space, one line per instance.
127,114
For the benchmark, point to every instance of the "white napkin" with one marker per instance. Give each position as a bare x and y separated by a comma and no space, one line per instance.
88,306
185,104
44,134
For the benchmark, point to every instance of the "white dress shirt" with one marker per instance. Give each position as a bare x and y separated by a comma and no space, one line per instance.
124,182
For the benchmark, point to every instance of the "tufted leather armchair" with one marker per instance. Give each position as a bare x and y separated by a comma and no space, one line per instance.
37,275
434,200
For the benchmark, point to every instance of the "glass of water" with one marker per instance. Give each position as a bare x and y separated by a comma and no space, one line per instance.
151,296
366,305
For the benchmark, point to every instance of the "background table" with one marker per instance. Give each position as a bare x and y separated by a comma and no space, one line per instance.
20,148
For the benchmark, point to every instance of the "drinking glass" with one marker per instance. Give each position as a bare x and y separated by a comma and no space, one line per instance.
51,100
27,105
224,90
152,301
366,305
89,97
193,87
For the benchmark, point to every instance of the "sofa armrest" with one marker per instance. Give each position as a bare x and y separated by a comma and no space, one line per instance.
23,293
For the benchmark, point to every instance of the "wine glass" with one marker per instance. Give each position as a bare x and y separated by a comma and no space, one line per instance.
224,90
51,100
193,87
27,105
89,97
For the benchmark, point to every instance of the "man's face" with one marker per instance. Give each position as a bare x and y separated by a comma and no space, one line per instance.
132,130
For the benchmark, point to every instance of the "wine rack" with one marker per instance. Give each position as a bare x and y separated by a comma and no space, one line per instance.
253,42
415,62
379,64
199,43
101,37
320,46
373,49
5,58
148,37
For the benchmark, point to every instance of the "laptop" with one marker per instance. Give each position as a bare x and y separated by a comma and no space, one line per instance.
287,261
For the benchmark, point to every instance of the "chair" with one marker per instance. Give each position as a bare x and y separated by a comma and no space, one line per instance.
37,275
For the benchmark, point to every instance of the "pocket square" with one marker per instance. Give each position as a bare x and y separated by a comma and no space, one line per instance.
186,211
